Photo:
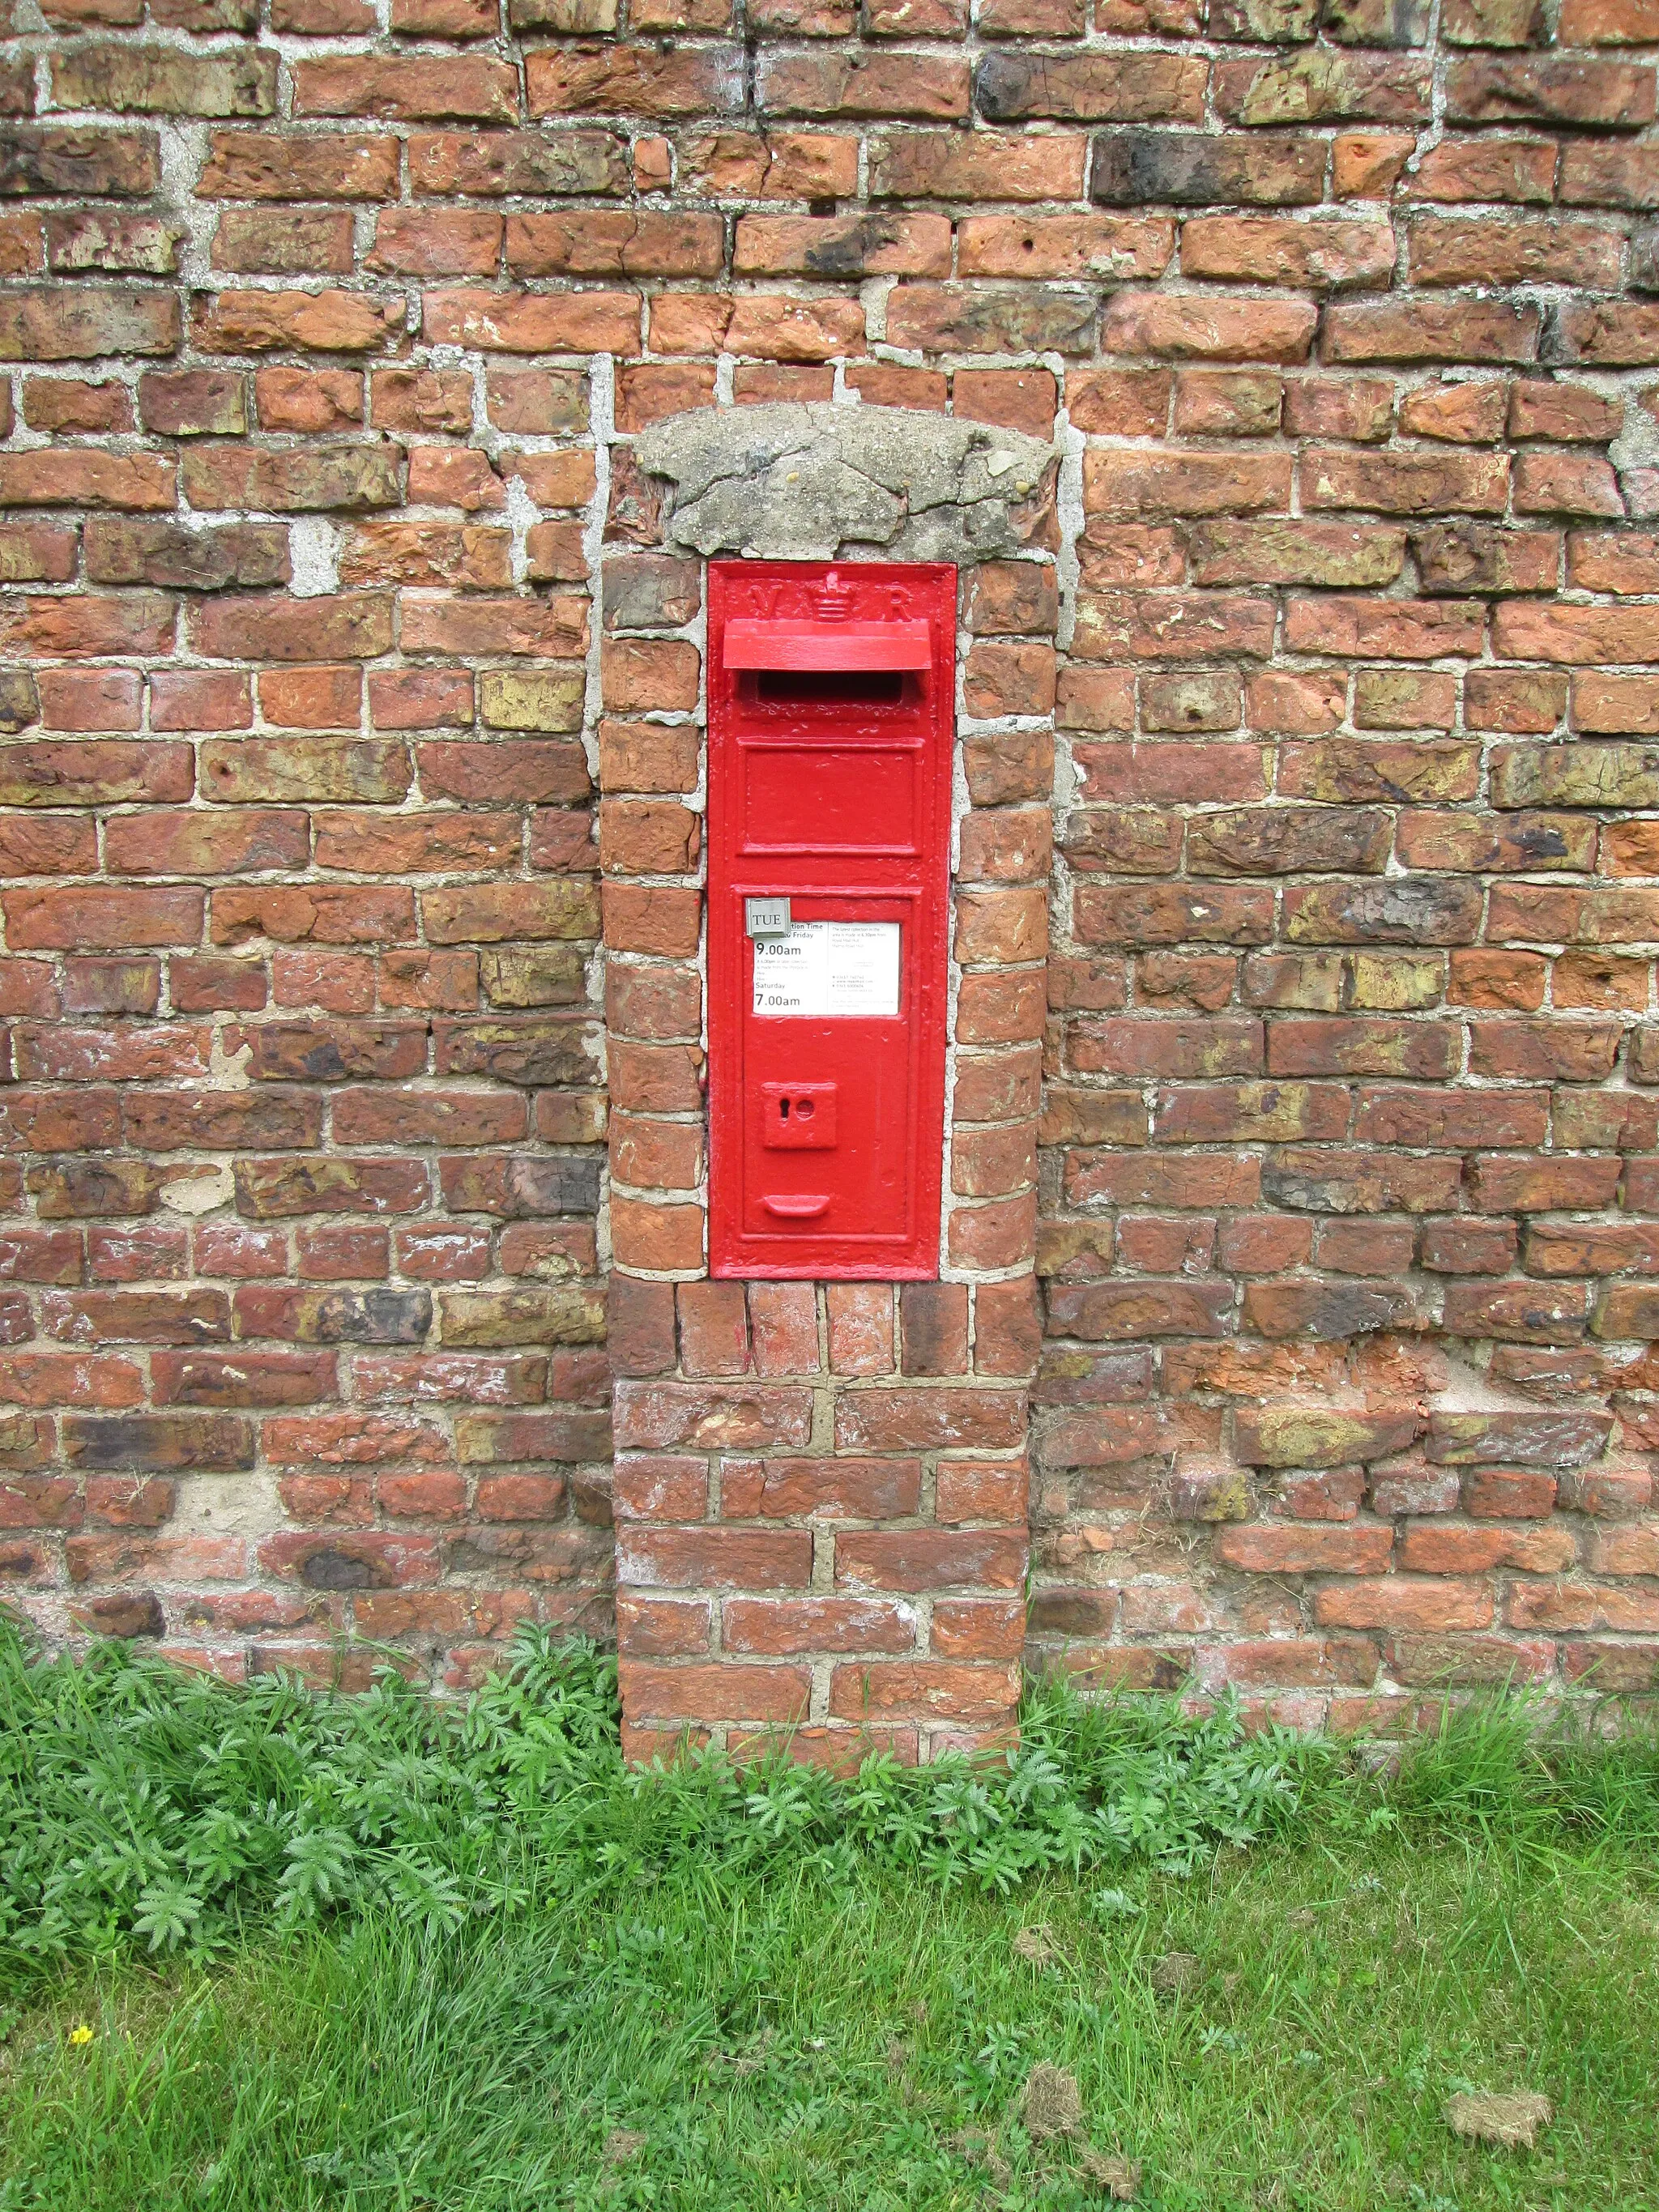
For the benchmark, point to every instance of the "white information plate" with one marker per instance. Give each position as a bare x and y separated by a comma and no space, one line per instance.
820,969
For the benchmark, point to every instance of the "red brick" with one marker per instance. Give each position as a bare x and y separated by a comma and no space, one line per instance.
1195,327
821,1489
981,1490
816,1624
719,1559
861,1324
1019,398
1430,330
1307,1129
926,1560
783,1328
654,1487
1404,1601
932,1690
714,1329
660,1627
658,1155
530,323
750,1692
1305,1548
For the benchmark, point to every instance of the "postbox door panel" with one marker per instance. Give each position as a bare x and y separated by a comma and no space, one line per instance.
829,1097
830,726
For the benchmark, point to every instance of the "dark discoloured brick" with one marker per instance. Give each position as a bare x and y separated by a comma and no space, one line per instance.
555,1049
126,1614
202,1443
1285,841
116,164
71,1189
1189,168
521,1188
650,591
336,1316
236,556
20,701
1125,86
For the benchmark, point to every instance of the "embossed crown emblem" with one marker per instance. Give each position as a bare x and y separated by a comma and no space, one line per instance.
833,599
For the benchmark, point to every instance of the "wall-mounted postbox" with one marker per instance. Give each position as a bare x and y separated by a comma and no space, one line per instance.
831,692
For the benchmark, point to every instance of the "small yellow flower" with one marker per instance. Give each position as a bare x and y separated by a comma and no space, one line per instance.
80,2035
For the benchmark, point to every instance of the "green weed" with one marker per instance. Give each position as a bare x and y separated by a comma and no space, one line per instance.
145,1808
142,1805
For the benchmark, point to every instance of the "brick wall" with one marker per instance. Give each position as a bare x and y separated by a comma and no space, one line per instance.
332,595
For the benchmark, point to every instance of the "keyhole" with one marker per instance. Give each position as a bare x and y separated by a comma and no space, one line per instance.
783,1110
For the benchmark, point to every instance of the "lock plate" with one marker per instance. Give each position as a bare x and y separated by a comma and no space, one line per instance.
797,1117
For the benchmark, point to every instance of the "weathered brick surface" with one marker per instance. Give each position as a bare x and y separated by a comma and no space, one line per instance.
350,791
782,1483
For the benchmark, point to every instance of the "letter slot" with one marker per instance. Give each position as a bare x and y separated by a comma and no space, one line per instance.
830,722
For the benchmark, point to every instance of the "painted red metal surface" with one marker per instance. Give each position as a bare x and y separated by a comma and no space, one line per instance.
831,693
828,645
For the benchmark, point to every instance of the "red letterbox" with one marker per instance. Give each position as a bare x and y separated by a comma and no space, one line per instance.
831,691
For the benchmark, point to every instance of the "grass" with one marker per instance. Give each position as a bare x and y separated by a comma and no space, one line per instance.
691,1992
788,2042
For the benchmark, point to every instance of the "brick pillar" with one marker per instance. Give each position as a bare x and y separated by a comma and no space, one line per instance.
821,1489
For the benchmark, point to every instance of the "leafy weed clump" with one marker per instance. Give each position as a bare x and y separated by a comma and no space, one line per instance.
144,1807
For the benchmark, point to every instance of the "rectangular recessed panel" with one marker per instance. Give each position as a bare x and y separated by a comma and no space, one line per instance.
820,801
